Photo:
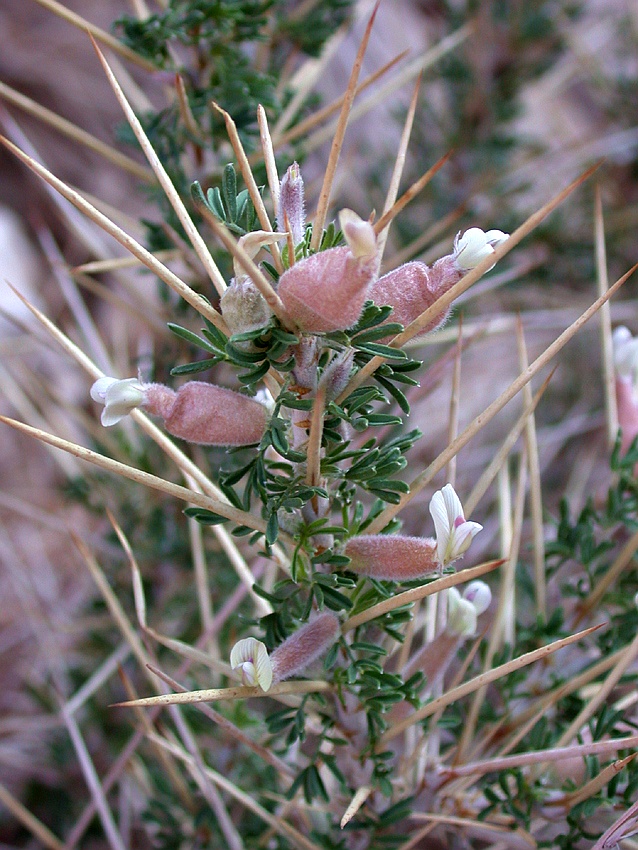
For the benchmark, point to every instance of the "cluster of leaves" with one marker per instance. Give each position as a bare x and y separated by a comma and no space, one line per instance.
591,539
278,485
211,45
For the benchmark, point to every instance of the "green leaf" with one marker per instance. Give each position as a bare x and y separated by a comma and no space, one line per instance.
229,188
193,338
272,529
396,394
193,368
254,375
379,350
204,517
216,203
388,330
198,195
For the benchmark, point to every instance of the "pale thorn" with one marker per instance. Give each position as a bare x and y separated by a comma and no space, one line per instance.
252,243
625,353
359,234
474,245
461,615
249,657
119,397
453,533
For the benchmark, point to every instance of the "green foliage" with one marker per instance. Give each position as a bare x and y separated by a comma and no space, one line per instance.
235,210
211,46
336,740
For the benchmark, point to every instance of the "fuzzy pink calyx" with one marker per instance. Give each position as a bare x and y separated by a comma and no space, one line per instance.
412,288
207,414
303,647
392,557
326,291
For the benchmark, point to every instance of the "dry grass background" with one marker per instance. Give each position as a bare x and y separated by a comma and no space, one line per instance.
565,123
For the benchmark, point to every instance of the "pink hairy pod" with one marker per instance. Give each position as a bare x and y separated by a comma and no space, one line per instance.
306,354
303,647
392,557
204,413
414,287
243,306
326,291
434,658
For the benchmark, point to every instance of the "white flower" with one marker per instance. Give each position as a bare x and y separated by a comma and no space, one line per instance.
463,611
453,534
264,396
474,245
252,243
250,658
118,397
461,615
479,594
625,353
359,234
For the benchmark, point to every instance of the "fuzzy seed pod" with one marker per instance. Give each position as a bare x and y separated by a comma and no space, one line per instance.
392,557
305,646
204,413
243,306
414,287
306,354
326,291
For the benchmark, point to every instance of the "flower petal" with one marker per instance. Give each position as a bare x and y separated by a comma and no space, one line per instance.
453,533
475,245
113,414
496,237
119,398
479,594
100,389
461,615
453,504
251,657
442,529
